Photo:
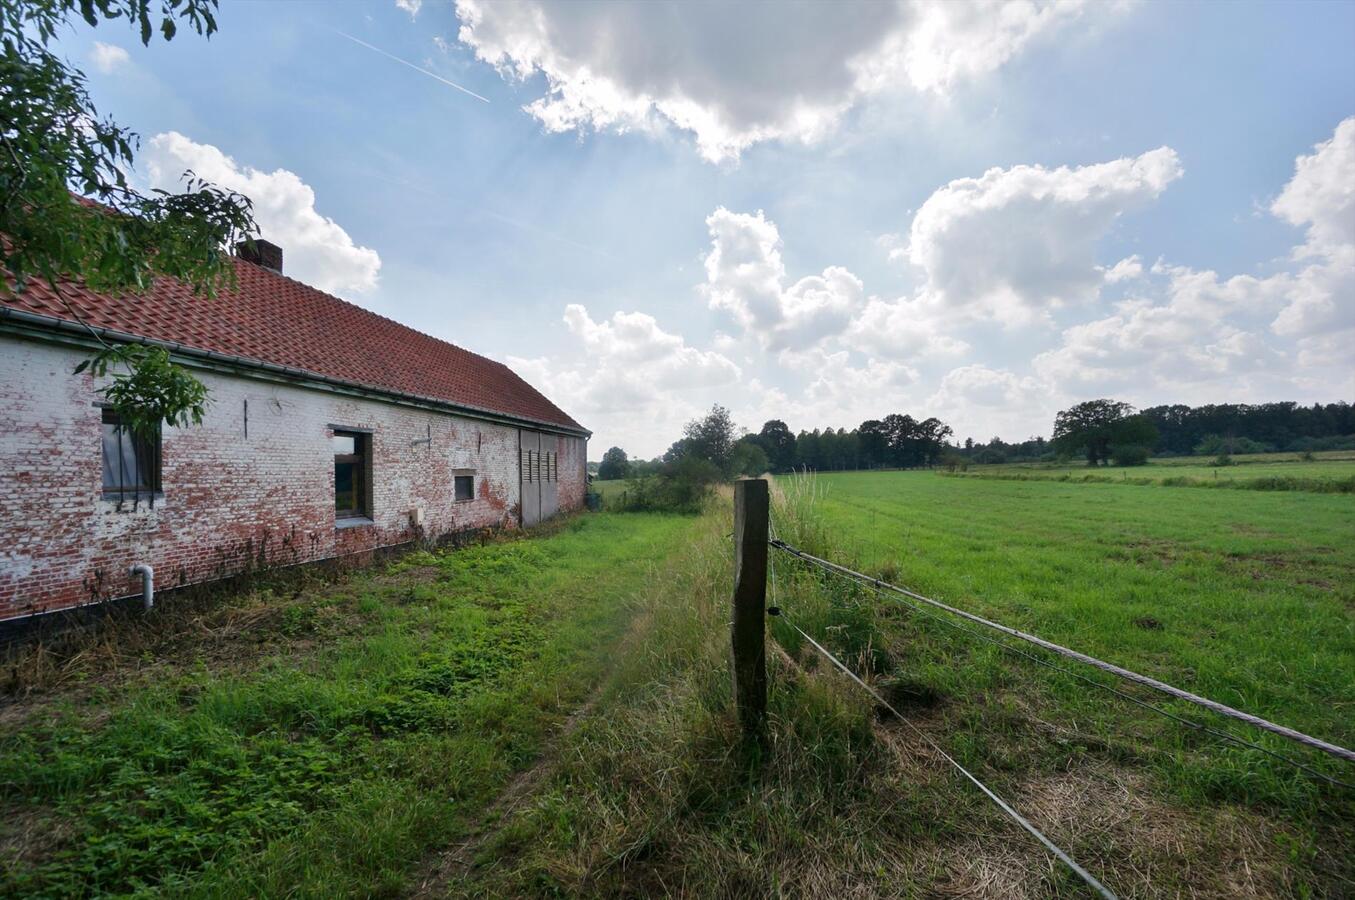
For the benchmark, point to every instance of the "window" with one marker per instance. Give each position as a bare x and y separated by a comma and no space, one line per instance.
464,485
131,464
352,484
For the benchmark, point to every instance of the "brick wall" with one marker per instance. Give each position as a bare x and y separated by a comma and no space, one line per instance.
231,501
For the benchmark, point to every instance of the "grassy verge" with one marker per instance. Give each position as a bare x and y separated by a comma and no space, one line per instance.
656,795
315,743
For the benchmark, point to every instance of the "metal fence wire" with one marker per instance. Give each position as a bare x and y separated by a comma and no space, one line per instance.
918,603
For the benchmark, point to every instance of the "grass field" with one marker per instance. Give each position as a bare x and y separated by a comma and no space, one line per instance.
1326,472
1251,592
1245,597
313,740
552,717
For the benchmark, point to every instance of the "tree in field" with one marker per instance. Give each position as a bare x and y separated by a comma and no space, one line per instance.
873,443
67,209
710,437
615,464
1097,426
779,444
748,458
932,435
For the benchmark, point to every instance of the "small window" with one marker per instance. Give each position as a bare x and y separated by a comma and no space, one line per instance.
131,463
464,485
352,485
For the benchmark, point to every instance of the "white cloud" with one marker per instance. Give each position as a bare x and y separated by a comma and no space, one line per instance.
1190,335
632,382
746,278
946,42
316,249
1127,269
736,74
980,401
839,385
1321,196
1160,347
410,6
1016,242
904,329
108,58
826,353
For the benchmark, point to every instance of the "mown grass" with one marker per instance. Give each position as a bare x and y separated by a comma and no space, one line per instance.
395,708
656,794
1331,472
1244,597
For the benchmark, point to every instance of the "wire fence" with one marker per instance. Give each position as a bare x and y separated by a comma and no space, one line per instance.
1062,855
1126,674
919,604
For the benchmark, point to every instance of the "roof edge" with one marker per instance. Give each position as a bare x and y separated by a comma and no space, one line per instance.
80,334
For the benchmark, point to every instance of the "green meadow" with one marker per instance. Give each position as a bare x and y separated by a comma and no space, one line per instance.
550,715
1323,472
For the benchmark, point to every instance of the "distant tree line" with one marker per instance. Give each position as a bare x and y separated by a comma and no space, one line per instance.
896,441
1100,431
1252,428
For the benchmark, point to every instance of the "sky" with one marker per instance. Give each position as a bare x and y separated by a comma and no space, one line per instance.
820,213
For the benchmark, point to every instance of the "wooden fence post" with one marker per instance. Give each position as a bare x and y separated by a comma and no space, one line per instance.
750,600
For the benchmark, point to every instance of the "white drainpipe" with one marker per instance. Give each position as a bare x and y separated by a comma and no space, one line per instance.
147,583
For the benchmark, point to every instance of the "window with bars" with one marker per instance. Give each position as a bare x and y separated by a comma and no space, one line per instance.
131,463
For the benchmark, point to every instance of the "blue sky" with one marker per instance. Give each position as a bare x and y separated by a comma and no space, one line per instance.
945,193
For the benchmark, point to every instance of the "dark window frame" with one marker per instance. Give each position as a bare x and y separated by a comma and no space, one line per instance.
361,460
148,453
459,477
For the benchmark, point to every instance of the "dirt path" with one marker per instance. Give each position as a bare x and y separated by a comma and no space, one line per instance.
443,868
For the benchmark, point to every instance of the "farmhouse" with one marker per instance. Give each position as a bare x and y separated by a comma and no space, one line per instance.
330,431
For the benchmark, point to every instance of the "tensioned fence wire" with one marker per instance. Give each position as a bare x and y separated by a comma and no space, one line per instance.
1126,674
1006,807
1197,726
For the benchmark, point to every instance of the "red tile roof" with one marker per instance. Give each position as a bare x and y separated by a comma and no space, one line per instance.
274,319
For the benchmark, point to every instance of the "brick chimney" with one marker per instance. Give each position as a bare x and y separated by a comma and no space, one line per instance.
262,253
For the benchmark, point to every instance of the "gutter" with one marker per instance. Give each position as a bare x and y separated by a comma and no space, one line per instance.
67,332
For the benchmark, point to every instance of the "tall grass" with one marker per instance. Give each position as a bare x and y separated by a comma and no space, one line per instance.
314,744
657,794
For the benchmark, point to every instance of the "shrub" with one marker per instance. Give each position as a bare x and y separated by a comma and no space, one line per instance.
1223,459
680,486
1130,455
